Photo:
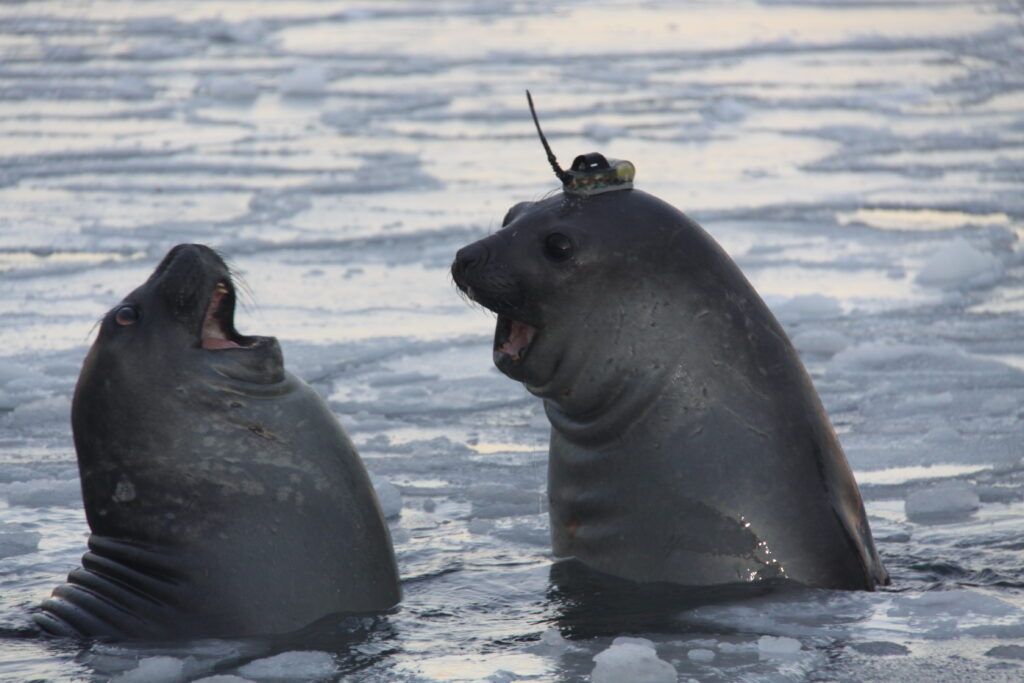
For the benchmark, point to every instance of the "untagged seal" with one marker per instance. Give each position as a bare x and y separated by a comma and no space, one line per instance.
688,444
223,496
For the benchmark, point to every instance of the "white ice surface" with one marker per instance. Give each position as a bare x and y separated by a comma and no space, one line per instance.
631,659
154,670
389,496
296,665
943,501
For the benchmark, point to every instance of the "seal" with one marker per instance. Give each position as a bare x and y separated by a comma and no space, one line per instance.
688,444
223,496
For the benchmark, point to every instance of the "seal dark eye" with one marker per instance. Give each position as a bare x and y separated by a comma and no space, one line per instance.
557,247
127,315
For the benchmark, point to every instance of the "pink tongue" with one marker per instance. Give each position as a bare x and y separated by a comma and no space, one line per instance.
519,337
214,343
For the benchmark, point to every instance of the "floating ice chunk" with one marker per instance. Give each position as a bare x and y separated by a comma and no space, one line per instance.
824,342
603,132
701,655
223,678
959,265
953,603
553,639
17,541
1007,652
948,500
724,110
41,412
9,473
808,307
230,88
887,356
39,493
777,646
307,80
310,665
154,670
480,526
634,660
389,496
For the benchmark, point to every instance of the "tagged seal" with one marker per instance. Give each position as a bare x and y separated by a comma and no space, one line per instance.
688,444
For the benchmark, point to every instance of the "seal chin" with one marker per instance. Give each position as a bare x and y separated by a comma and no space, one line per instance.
513,340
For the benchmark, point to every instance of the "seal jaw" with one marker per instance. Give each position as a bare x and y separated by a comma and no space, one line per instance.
217,330
512,341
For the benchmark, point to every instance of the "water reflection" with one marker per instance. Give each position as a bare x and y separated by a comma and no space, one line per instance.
588,603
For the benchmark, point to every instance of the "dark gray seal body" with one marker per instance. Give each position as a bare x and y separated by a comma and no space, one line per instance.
223,496
688,444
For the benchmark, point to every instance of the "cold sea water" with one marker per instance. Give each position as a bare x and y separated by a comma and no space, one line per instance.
862,161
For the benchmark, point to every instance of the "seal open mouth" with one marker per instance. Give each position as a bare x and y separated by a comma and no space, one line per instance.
218,330
512,339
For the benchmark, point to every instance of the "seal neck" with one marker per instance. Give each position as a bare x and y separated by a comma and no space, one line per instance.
618,407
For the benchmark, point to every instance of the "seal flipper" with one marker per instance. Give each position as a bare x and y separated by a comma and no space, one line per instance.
108,597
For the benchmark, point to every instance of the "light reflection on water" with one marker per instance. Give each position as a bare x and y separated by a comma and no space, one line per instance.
900,475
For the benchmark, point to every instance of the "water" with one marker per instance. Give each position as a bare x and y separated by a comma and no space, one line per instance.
862,162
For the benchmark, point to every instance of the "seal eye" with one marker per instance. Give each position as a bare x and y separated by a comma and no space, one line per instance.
127,315
557,247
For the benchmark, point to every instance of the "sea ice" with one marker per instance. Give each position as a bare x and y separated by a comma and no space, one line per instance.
17,541
960,265
634,660
39,493
1007,652
223,678
159,669
701,655
307,80
230,88
296,665
948,500
952,603
603,132
777,646
42,412
808,307
820,341
389,496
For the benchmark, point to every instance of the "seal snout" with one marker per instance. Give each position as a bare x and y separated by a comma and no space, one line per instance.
468,260
196,286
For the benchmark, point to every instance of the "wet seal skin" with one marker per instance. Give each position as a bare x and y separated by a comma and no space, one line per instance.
223,496
688,444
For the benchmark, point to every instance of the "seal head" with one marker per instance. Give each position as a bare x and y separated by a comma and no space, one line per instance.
223,497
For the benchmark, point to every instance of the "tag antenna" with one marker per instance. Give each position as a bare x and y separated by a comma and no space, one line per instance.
562,175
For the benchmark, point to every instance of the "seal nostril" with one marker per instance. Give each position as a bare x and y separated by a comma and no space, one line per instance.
468,259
